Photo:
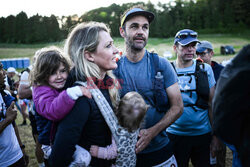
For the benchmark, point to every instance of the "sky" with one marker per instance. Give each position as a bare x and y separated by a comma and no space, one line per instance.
58,7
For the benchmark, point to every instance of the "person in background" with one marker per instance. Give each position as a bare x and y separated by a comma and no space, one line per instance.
191,133
11,148
130,114
10,86
136,69
25,92
205,51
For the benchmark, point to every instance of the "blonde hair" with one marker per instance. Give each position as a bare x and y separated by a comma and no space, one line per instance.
131,111
85,37
47,61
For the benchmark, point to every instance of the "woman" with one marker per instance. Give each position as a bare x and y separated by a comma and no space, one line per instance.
92,51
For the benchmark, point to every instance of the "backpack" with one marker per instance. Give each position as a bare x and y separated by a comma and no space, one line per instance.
202,85
160,95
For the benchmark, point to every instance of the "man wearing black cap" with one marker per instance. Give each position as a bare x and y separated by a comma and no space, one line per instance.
191,133
135,69
205,51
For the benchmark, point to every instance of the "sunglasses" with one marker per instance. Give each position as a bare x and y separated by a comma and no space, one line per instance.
201,54
184,35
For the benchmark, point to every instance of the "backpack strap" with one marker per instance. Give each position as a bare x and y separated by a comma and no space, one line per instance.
161,102
202,86
155,63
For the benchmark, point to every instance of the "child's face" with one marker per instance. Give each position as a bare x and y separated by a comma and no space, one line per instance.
58,79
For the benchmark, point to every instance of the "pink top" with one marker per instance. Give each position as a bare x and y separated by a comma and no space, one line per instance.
109,152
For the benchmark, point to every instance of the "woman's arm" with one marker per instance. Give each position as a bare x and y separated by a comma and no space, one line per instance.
69,133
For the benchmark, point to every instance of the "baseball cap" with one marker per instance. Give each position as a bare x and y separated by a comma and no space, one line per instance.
186,36
137,11
11,69
203,45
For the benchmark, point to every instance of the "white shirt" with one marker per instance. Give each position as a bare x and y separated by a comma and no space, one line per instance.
10,151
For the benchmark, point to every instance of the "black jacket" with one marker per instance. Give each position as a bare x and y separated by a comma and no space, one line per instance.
84,126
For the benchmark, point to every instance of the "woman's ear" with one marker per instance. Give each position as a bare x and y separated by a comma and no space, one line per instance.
89,56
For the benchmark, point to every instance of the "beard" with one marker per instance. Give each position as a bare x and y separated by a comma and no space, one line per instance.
130,42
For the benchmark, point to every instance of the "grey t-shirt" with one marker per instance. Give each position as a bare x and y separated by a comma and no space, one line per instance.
137,77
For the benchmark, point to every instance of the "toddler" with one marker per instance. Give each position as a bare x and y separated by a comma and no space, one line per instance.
130,114
52,103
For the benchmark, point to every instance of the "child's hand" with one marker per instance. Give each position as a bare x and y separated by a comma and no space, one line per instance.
94,150
85,92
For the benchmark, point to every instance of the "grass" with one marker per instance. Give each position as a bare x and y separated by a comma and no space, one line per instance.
159,45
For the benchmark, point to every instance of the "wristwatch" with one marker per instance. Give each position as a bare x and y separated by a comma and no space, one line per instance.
22,146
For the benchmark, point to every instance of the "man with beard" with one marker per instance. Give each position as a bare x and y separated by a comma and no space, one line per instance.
137,69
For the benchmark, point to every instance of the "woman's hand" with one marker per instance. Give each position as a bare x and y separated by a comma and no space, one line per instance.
94,150
85,92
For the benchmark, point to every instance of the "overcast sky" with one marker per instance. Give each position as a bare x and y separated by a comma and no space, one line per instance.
57,7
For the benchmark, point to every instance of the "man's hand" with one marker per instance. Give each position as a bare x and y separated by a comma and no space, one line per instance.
11,113
145,136
215,146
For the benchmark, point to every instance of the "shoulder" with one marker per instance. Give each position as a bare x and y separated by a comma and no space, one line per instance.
24,75
40,90
42,87
217,65
163,62
81,109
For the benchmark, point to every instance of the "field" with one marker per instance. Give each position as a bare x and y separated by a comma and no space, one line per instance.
160,46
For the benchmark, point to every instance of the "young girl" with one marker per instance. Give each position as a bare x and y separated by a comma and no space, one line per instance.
51,101
130,113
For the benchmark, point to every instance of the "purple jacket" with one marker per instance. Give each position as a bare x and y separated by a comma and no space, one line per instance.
51,106
51,103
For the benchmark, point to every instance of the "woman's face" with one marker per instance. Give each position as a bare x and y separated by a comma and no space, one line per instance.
104,56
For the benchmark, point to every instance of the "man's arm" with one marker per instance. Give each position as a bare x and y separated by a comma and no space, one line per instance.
25,156
24,91
210,111
174,112
10,117
215,143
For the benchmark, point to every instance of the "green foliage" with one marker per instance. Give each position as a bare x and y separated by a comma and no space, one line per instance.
204,16
21,29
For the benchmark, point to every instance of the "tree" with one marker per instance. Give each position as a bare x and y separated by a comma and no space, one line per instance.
10,29
21,27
